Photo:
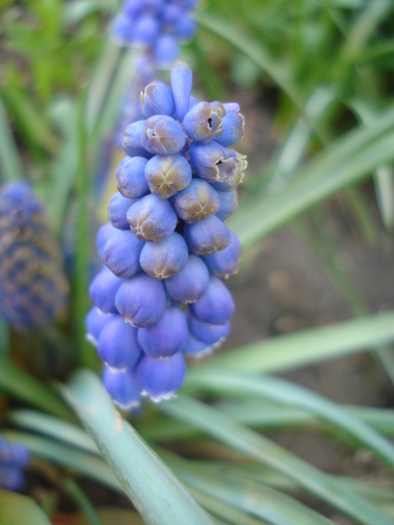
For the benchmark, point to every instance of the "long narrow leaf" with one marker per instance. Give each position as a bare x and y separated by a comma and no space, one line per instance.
156,493
10,161
261,449
20,510
309,346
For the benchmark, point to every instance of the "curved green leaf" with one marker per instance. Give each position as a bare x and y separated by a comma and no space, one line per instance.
309,346
20,510
261,449
153,489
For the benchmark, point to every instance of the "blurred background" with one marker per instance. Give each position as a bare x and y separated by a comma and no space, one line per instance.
316,219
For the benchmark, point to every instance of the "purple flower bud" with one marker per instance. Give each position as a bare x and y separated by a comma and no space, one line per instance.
166,51
104,233
181,82
11,478
186,28
233,128
209,334
122,29
132,140
191,283
235,178
157,99
198,201
146,31
117,211
207,236
212,162
130,177
14,454
153,7
167,337
95,321
166,175
160,378
228,204
122,253
103,290
163,135
152,218
204,121
117,345
171,16
225,262
141,300
216,306
123,386
195,348
164,259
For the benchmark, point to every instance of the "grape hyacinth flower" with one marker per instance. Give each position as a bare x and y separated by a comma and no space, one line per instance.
33,286
159,297
14,457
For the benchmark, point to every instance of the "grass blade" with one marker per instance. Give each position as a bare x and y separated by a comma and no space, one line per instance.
309,346
262,450
10,161
74,490
286,393
29,390
156,493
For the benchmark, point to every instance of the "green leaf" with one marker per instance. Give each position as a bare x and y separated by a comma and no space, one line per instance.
80,498
29,390
349,160
262,450
309,346
10,161
286,393
20,510
255,499
155,492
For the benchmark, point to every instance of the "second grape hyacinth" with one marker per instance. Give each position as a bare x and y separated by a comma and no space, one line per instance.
159,296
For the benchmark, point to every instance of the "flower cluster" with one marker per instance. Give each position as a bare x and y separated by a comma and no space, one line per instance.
13,458
166,245
33,287
157,26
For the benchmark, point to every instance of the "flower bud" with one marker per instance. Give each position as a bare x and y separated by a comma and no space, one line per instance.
103,290
228,204
95,321
198,201
213,162
117,344
207,236
121,254
160,378
185,28
225,263
209,334
204,121
117,211
167,337
216,306
191,283
152,218
195,348
141,300
163,136
166,175
132,140
157,99
130,177
146,31
104,233
166,258
166,51
235,178
181,82
123,386
233,128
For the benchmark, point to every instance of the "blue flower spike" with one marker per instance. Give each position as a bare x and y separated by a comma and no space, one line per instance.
167,246
14,457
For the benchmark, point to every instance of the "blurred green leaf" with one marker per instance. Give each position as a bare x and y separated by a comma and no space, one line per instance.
10,161
20,510
29,390
262,450
309,346
150,485
74,490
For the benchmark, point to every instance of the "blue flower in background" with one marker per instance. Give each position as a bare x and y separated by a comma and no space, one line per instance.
14,457
33,286
159,296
